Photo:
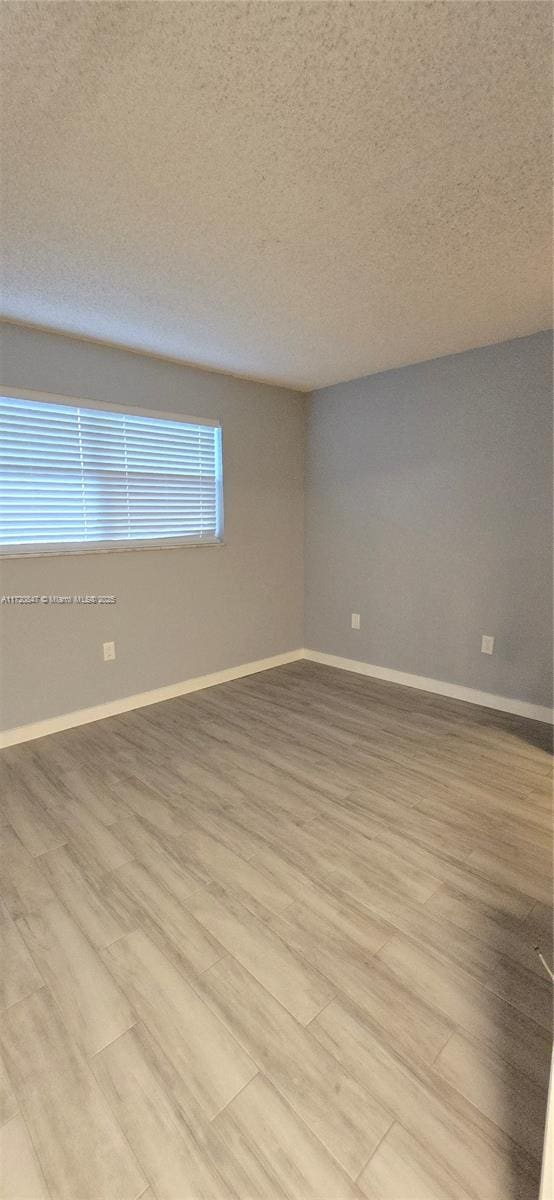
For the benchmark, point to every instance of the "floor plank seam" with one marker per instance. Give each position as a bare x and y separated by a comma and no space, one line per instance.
384,1022
375,1149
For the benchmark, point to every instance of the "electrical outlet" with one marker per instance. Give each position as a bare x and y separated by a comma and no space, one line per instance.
355,620
487,644
109,651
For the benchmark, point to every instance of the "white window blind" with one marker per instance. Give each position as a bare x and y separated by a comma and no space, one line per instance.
76,475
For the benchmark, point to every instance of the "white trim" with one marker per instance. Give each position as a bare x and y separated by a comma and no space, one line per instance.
111,708
547,1173
455,691
110,548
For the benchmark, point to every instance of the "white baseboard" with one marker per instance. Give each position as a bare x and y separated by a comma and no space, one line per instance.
455,691
547,1173
83,716
111,708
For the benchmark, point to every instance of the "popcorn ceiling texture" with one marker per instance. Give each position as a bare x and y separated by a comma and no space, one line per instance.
299,192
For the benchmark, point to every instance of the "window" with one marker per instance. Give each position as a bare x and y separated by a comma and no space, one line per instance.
83,476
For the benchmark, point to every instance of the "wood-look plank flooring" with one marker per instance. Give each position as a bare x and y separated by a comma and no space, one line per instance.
277,939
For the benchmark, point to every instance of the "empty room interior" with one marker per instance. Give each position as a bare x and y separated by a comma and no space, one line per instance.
276,618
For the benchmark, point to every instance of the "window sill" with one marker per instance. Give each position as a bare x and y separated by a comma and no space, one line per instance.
59,552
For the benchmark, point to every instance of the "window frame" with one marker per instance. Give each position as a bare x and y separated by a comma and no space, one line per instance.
49,549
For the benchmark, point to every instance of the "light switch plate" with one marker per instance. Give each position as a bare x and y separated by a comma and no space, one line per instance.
487,644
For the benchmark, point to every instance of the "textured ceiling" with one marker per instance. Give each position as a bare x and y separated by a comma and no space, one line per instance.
298,192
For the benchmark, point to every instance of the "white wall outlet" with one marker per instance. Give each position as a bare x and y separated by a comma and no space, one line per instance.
355,620
487,644
109,651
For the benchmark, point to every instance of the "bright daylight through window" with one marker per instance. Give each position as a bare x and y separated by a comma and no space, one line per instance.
77,476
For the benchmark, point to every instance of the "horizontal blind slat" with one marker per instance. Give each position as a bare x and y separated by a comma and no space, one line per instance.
78,474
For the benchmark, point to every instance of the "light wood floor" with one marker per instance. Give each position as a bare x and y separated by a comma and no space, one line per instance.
276,939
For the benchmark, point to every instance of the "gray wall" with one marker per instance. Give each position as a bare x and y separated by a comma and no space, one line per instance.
182,612
429,512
